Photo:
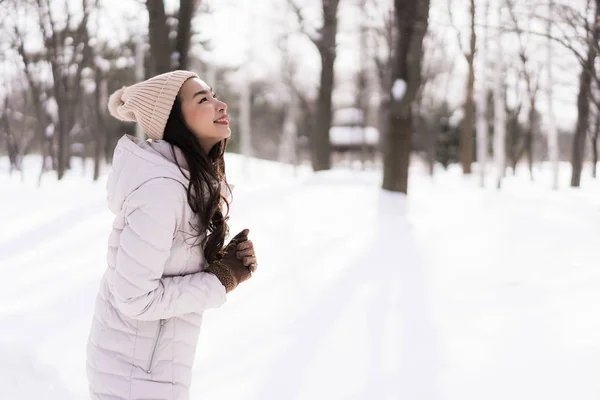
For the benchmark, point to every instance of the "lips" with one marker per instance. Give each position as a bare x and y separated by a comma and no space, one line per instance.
223,120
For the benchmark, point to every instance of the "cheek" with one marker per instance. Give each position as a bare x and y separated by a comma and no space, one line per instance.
199,117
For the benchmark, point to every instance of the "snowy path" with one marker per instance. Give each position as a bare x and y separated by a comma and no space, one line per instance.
516,283
327,319
475,295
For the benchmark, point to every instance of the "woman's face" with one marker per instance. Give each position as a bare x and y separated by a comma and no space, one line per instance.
204,114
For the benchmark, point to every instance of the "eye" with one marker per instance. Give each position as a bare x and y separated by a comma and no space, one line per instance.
215,96
203,100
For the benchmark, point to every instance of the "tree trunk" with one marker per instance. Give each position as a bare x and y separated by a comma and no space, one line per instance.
499,109
101,96
431,142
140,54
45,142
246,117
594,144
530,134
384,73
160,48
362,83
397,153
61,128
583,112
466,132
98,144
109,145
412,18
583,104
482,122
385,113
320,144
430,134
553,153
288,144
184,31
321,147
51,39
12,146
513,143
528,137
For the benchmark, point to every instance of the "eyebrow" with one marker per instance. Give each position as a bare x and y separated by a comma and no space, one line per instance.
201,92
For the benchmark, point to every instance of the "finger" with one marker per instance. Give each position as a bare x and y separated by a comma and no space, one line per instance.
247,244
240,235
249,260
239,239
245,253
236,241
253,267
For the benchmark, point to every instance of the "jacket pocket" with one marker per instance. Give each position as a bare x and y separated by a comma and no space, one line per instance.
155,345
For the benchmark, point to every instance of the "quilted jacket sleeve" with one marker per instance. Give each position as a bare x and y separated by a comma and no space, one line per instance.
152,213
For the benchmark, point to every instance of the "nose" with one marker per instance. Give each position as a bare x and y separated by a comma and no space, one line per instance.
222,106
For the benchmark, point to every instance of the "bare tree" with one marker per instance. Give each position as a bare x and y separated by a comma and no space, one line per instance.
362,78
44,131
412,20
66,85
324,38
499,106
594,131
466,136
12,145
158,33
187,8
100,100
168,54
531,78
515,137
383,36
46,141
482,101
288,146
594,134
436,73
583,99
553,152
572,20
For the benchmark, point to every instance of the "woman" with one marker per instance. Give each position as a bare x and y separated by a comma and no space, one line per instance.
167,262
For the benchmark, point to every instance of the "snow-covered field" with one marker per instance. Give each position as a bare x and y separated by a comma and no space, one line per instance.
456,293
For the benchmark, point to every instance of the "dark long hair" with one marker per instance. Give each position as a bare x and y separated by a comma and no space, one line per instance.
206,174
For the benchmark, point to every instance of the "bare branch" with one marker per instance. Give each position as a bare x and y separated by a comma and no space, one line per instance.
570,14
531,87
315,38
384,39
561,41
457,30
33,87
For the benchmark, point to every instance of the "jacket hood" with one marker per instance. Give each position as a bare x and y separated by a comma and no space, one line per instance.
137,161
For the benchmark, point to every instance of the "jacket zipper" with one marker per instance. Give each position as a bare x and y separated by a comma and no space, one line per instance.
156,340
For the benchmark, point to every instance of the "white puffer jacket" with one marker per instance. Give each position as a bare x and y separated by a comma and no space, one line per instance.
149,307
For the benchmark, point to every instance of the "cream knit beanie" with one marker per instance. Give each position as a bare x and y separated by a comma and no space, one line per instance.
149,102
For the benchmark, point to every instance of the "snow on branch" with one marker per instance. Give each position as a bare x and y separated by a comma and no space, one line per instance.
399,89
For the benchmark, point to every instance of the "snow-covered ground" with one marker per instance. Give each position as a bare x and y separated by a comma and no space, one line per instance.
456,293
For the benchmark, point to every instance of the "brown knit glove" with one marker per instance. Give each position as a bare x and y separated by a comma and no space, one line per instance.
230,270
245,253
